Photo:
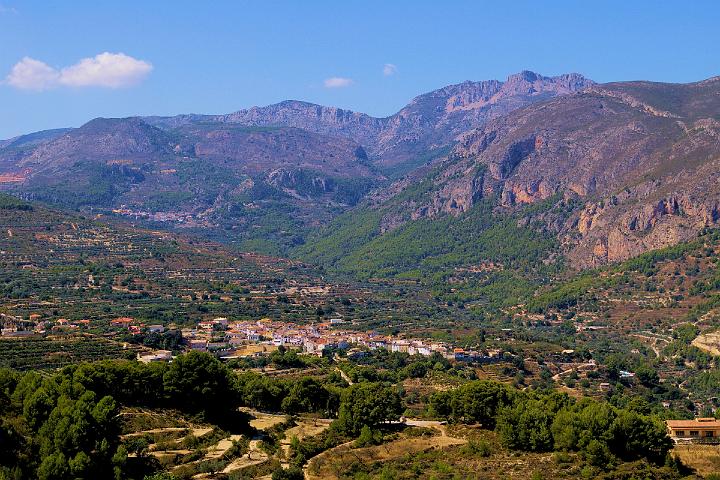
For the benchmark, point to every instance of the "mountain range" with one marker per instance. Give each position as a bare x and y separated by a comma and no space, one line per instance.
464,185
263,176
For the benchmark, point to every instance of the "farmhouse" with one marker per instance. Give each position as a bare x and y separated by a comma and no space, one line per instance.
700,428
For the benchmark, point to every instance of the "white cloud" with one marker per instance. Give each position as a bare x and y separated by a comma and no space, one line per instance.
113,70
4,9
389,69
337,82
109,70
31,74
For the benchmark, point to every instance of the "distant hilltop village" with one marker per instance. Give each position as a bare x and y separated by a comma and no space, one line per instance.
230,339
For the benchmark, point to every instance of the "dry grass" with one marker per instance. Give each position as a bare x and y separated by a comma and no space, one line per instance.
250,349
306,428
705,459
710,342
332,463
137,419
263,421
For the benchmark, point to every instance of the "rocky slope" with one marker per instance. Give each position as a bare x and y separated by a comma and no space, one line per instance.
212,178
637,162
428,122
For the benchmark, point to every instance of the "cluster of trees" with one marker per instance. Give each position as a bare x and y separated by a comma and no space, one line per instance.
8,202
66,425
56,429
473,402
533,421
385,366
271,394
425,247
367,405
170,340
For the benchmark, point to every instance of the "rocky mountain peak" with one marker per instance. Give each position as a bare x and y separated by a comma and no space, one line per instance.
523,76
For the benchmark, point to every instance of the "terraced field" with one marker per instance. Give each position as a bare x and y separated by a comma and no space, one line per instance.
47,353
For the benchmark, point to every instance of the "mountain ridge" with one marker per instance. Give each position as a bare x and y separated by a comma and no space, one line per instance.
421,124
629,167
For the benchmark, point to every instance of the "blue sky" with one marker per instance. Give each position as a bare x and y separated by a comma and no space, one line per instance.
217,57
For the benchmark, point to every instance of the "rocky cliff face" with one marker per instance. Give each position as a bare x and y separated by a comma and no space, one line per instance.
640,159
438,117
359,127
428,122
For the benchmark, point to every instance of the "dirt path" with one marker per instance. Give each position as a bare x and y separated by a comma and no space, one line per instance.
198,432
652,340
344,376
168,453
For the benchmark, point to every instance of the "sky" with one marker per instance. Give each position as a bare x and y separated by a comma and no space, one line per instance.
64,63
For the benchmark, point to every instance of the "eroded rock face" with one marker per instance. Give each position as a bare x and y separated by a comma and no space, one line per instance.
641,160
623,229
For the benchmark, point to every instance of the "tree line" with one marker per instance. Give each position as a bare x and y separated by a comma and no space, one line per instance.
544,422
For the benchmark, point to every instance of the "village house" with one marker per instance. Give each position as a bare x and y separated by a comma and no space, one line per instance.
122,322
424,351
314,348
457,354
700,429
156,356
252,336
